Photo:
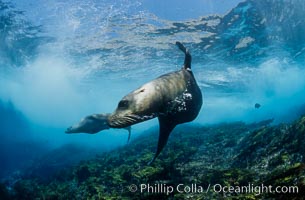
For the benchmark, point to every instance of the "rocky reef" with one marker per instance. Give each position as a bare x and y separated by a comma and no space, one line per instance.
202,158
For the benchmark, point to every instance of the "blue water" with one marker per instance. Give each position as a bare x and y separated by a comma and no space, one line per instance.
63,60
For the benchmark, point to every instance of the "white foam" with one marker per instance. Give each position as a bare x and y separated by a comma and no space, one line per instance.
277,84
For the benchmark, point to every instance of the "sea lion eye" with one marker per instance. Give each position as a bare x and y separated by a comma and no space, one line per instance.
123,104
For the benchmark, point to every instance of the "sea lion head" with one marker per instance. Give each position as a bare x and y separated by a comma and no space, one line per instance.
139,105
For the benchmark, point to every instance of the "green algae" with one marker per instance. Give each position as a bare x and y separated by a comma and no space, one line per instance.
228,154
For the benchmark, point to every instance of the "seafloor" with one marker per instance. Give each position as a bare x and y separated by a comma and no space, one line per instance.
231,154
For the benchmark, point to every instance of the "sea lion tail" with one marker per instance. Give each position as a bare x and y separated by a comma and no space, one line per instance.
188,57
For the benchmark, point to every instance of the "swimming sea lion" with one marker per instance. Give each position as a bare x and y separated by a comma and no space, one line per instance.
93,124
174,98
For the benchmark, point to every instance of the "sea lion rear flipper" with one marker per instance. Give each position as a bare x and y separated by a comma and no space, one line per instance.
165,128
188,57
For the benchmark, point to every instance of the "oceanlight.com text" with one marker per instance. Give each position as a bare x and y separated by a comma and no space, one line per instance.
217,188
255,189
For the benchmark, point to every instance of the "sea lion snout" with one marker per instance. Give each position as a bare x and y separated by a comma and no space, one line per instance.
122,120
69,130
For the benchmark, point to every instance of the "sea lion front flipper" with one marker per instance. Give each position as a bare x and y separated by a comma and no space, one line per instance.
165,128
129,132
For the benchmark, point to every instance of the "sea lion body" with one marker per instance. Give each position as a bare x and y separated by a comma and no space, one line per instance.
174,98
175,95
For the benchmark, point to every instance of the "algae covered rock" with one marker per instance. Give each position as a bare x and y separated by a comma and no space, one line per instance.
223,155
